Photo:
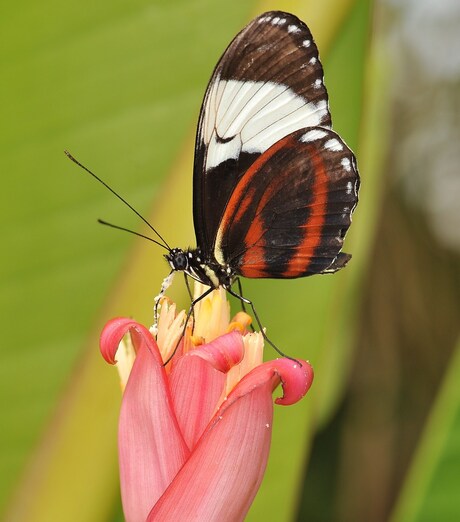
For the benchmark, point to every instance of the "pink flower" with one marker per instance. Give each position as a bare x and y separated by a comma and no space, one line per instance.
194,436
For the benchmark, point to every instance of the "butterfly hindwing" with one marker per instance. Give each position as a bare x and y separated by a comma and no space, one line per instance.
288,214
268,84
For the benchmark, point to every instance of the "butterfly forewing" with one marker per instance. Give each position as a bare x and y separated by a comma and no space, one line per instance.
268,84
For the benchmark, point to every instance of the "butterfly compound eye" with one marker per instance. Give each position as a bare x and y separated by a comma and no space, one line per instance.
177,259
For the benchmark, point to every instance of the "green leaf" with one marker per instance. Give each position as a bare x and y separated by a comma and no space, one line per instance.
119,84
430,491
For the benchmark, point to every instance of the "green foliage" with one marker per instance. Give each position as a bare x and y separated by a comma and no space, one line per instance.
431,488
119,84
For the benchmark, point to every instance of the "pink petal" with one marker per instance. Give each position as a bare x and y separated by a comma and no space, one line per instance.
151,446
197,382
110,337
295,377
224,352
223,474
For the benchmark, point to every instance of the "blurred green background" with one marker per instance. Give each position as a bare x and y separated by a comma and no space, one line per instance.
120,85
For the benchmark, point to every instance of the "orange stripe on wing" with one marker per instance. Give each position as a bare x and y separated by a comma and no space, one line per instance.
242,198
240,191
298,264
256,266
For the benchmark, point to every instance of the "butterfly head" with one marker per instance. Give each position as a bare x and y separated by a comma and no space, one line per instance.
206,271
178,259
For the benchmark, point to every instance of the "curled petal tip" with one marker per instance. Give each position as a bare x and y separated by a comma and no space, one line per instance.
113,333
110,339
296,378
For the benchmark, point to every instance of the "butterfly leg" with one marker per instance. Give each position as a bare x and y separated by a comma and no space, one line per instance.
187,284
164,286
189,314
262,331
243,305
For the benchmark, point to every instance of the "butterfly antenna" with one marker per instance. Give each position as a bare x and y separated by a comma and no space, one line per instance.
117,227
164,245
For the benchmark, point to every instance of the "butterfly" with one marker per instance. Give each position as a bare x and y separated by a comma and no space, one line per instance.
274,187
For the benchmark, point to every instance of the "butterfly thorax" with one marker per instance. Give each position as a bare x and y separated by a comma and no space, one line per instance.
200,268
